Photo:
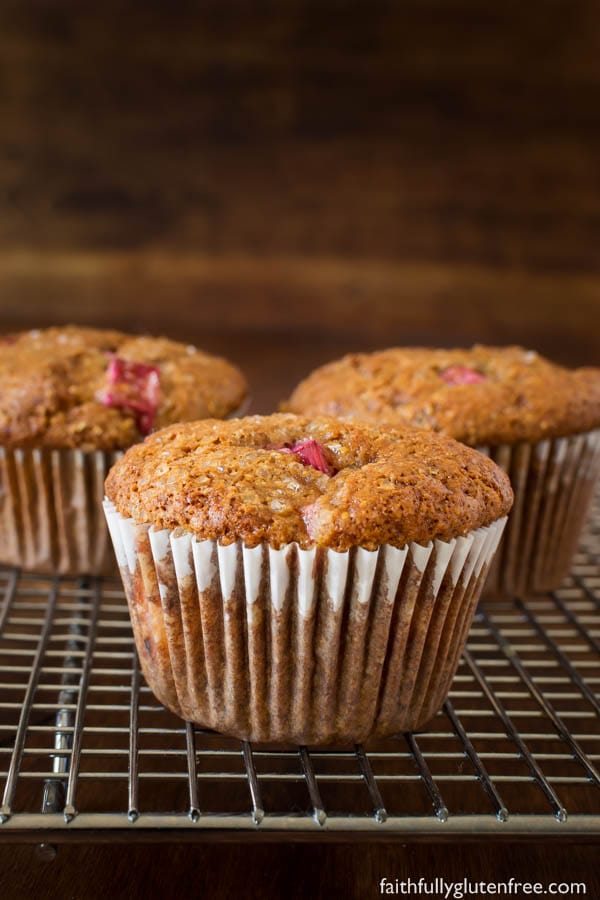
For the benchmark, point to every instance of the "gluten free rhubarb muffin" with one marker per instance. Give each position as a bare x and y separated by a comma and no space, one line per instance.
537,420
71,399
303,580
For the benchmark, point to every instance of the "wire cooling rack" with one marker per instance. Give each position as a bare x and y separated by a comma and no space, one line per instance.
85,748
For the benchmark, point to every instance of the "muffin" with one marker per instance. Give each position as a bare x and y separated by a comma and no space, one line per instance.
304,581
71,400
537,420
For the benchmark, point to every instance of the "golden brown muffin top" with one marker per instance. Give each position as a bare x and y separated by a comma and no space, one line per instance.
485,395
321,482
71,387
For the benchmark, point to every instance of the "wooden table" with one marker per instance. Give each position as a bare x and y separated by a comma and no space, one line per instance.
282,185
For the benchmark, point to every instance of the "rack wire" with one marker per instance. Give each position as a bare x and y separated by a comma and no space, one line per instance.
85,747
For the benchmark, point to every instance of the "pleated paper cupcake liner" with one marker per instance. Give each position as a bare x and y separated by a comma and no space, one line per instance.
300,646
553,482
51,517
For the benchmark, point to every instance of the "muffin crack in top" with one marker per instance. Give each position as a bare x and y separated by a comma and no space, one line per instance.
483,395
230,481
94,389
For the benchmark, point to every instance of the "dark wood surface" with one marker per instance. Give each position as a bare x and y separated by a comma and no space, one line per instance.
377,172
283,183
274,871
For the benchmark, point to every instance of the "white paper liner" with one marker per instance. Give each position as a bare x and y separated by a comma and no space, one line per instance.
553,482
51,517
302,646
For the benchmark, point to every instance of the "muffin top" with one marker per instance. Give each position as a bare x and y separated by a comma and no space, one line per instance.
102,390
320,482
485,395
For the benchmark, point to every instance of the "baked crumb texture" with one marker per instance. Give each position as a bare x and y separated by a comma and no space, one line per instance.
483,395
299,646
303,581
347,486
90,389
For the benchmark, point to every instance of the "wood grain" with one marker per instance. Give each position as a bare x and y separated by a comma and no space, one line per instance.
283,183
423,174
291,871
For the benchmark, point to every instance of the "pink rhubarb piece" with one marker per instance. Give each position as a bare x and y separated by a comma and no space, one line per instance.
311,453
134,387
461,375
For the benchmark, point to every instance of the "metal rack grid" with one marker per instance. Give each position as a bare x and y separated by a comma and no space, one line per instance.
85,746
